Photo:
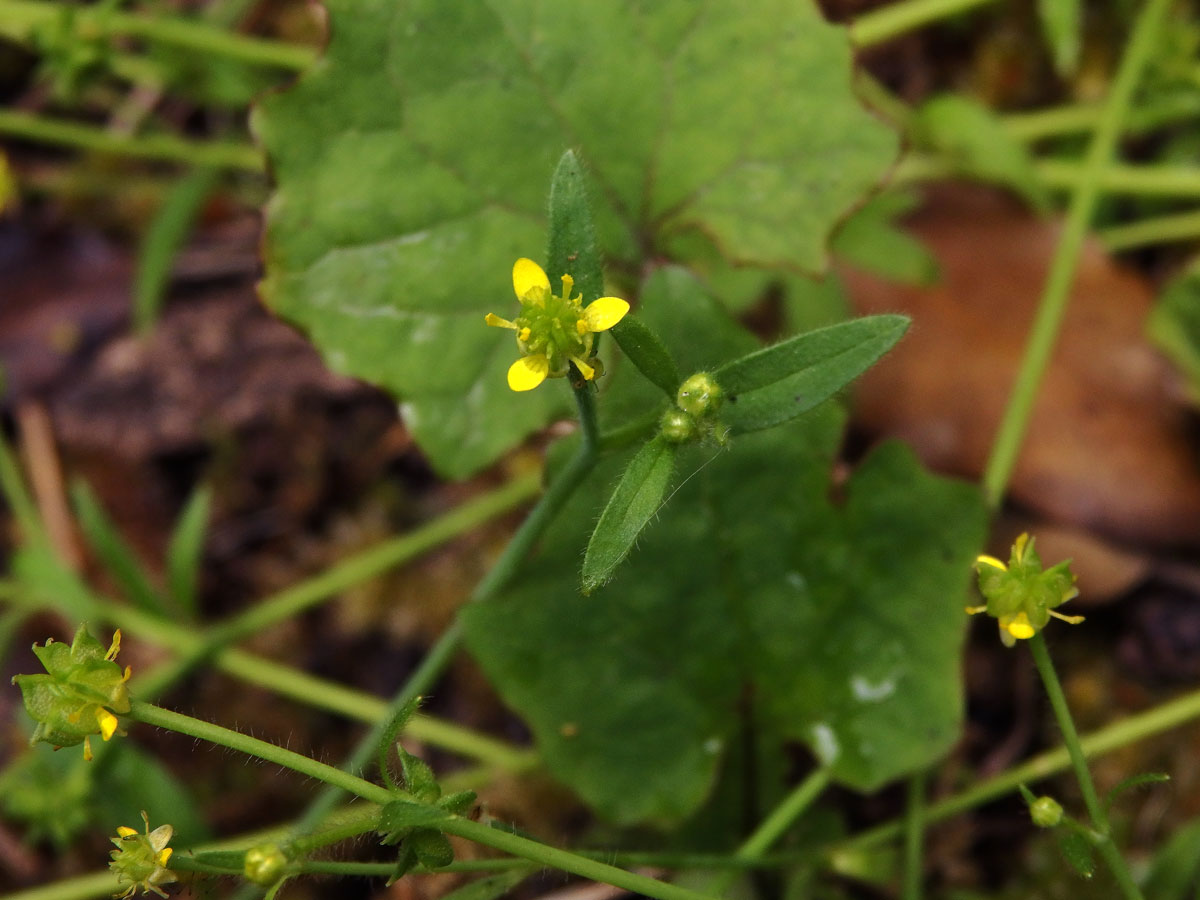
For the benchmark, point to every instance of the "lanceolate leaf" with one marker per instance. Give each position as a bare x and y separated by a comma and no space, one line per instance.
412,166
778,383
637,498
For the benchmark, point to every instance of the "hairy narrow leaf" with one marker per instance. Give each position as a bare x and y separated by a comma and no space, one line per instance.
571,247
644,349
775,384
637,498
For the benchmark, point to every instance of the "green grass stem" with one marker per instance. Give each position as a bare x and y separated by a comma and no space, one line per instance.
90,23
161,147
887,22
1053,305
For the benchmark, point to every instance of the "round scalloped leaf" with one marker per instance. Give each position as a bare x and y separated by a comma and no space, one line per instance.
412,164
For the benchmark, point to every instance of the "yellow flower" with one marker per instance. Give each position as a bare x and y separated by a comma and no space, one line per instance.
1022,595
554,332
140,860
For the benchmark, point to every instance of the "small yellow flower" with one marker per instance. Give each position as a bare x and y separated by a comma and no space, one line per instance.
140,860
1022,595
554,331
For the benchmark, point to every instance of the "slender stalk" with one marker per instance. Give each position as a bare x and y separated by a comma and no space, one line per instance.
178,32
1099,818
775,825
568,862
163,147
895,19
1068,175
1183,226
1052,307
374,793
914,838
1151,181
1112,737
150,714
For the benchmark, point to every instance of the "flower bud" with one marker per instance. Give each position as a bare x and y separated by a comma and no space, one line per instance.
264,864
677,427
699,395
1046,812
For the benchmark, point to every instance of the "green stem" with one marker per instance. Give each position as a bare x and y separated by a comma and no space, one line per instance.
775,825
1183,226
1099,819
149,714
1112,737
1068,175
374,793
164,147
552,857
178,32
1052,307
914,838
895,19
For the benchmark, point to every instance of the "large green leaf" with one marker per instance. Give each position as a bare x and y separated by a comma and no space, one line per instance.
843,622
412,164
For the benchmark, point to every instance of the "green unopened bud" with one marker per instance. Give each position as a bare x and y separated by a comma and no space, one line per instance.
264,864
677,427
81,693
699,395
1046,812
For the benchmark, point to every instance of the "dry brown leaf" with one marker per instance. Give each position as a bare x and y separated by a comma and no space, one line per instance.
1107,448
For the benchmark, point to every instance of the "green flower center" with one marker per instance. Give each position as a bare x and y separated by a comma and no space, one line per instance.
551,324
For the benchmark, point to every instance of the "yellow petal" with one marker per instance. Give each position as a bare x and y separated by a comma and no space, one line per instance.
496,322
1019,627
164,856
108,723
603,314
126,831
584,369
528,372
991,561
528,275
